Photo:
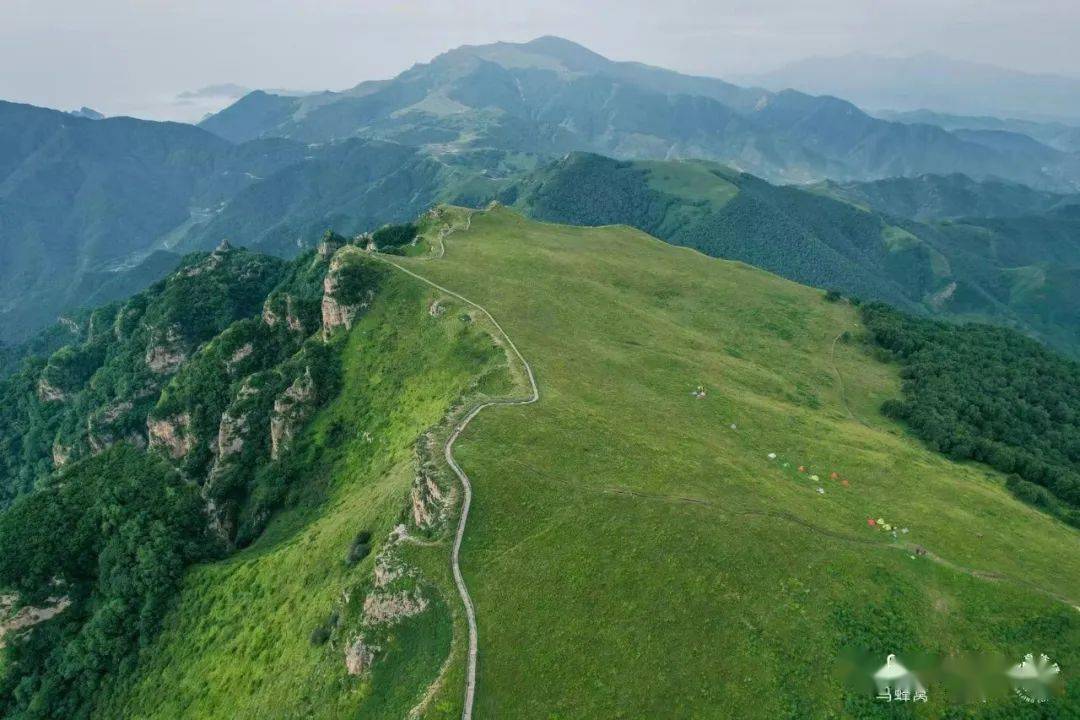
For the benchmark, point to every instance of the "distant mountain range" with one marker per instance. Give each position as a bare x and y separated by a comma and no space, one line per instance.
950,197
551,96
81,197
1060,136
93,210
933,81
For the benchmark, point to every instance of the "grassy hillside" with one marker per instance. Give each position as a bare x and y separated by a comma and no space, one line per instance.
635,552
661,535
1016,271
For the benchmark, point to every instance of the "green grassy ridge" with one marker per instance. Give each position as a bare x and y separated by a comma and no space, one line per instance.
237,644
631,555
823,237
800,235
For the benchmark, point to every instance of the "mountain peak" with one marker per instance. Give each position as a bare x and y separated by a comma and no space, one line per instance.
562,48
88,113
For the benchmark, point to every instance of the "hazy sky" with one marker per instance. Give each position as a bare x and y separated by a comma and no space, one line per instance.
128,56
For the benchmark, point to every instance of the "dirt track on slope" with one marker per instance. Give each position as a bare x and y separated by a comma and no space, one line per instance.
448,452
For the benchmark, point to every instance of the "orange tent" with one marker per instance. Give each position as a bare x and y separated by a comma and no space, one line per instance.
834,475
802,468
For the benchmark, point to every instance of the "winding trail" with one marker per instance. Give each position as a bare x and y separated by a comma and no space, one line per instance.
840,378
446,232
448,452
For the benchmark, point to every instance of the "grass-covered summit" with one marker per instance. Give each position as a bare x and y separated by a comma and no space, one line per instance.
636,550
1018,270
701,516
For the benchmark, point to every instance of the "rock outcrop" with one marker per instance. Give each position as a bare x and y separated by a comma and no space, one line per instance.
101,430
291,409
61,454
278,304
269,317
428,501
242,353
330,244
292,317
28,616
385,608
47,392
172,434
210,262
431,495
335,311
359,656
230,437
68,324
166,355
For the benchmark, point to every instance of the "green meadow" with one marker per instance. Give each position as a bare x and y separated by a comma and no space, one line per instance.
634,552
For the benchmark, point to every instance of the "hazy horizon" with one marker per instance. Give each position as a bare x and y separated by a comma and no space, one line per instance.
124,57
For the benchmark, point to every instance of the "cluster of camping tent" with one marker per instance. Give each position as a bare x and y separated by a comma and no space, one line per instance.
814,478
879,523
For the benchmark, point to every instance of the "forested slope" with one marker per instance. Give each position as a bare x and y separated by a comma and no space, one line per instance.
243,401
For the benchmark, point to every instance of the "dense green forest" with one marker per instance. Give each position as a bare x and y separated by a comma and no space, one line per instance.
159,434
112,536
979,392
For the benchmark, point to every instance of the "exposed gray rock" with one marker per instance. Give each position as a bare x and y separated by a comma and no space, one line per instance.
172,434
359,656
47,392
166,355
291,409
